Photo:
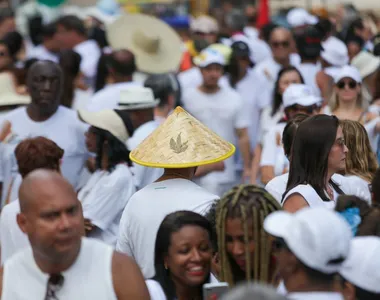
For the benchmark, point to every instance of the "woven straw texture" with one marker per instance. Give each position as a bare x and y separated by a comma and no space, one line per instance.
181,142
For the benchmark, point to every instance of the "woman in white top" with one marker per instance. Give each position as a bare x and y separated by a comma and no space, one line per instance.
347,102
361,162
109,188
182,257
318,152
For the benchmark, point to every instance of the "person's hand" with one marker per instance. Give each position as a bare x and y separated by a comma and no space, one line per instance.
5,130
246,175
88,225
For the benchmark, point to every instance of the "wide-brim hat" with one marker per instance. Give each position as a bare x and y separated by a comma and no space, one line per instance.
181,142
107,120
8,94
156,46
137,98
366,63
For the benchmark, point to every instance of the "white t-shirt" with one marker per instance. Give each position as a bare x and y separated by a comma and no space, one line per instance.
81,99
64,128
315,296
104,198
109,96
146,210
144,175
222,112
192,78
273,154
309,72
90,53
267,121
12,239
41,53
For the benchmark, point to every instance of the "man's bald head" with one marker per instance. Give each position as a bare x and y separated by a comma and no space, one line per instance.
122,63
281,44
41,184
280,33
40,65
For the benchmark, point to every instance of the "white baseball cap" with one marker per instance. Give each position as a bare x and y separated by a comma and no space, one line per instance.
300,17
348,72
316,236
208,57
335,52
300,94
362,266
137,97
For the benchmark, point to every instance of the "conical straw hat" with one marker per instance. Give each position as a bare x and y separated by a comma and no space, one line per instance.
181,142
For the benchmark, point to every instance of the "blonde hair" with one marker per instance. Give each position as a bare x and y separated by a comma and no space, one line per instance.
360,159
252,205
360,102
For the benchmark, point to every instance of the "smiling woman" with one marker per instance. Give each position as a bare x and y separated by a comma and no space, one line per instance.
183,255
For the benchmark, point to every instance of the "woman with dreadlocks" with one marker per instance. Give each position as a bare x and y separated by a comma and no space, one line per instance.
244,248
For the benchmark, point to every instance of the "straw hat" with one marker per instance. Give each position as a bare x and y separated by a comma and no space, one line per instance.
156,46
8,94
137,97
107,120
181,142
366,63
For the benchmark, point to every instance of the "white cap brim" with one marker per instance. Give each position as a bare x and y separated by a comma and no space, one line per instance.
276,223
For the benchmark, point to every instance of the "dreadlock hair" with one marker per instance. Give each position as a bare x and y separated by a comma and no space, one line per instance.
249,203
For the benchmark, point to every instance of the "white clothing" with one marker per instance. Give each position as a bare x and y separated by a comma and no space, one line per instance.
90,277
192,78
90,53
109,96
9,170
81,99
146,210
104,198
12,239
223,112
372,135
273,154
359,184
315,296
309,72
267,121
64,128
277,187
311,196
41,53
143,175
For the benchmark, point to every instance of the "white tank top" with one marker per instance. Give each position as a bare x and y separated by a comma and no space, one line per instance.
89,278
311,196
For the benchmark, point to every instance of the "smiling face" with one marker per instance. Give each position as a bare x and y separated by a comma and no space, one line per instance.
45,86
337,155
235,244
189,256
348,90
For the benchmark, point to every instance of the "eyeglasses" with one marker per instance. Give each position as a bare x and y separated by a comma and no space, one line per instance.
54,285
351,84
278,44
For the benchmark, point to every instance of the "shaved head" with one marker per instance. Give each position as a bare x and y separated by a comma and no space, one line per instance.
281,42
41,183
122,63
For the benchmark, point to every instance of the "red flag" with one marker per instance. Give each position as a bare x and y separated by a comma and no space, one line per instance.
263,13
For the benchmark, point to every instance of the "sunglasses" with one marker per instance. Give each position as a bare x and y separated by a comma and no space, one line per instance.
351,84
278,44
306,109
54,285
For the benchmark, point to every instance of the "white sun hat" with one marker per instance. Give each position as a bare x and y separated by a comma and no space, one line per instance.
107,120
335,52
300,94
362,267
157,47
8,94
318,237
137,97
366,63
348,72
181,141
300,17
208,57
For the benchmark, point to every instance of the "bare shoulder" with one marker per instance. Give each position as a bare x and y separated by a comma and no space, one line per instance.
294,203
1,280
127,278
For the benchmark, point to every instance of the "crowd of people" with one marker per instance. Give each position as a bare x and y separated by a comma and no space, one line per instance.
140,160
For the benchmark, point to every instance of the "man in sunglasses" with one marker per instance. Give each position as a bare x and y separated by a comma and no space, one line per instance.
61,263
310,247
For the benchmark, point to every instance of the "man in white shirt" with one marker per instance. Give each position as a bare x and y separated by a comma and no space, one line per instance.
60,263
180,144
121,66
45,117
139,102
223,111
309,253
71,34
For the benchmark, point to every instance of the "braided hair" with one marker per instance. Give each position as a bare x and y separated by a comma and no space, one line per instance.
252,204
